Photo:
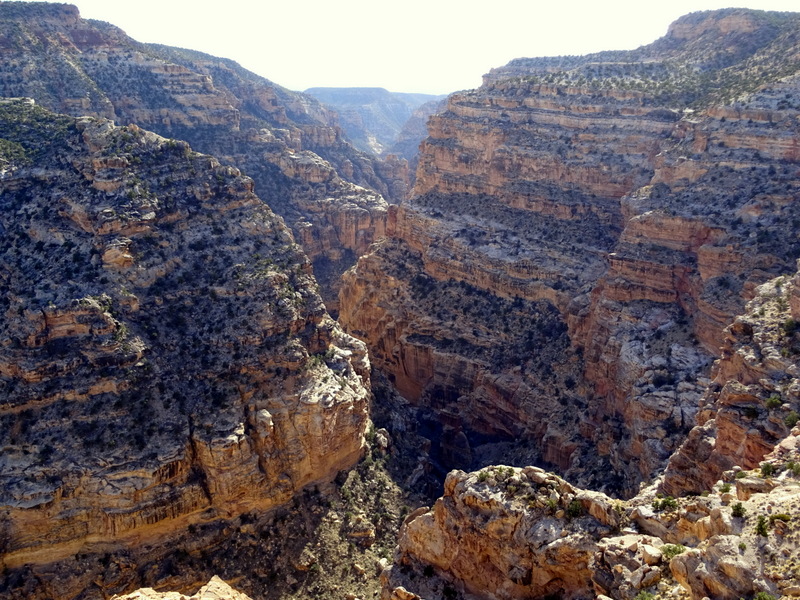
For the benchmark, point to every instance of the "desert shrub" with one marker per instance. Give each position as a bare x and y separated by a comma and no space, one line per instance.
762,528
738,510
670,551
575,509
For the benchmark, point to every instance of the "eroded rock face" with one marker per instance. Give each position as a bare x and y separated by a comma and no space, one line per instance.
504,533
753,400
165,358
586,185
286,142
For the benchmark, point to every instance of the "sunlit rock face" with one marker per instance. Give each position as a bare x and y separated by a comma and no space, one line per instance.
166,360
625,205
330,194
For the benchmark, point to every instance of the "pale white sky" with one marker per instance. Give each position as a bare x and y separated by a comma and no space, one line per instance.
430,46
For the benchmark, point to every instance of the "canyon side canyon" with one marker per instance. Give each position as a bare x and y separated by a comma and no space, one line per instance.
224,328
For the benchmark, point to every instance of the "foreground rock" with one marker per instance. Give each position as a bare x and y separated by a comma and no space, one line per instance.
165,360
504,533
216,589
509,532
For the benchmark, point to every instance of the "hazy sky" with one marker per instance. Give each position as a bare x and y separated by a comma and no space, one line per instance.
432,46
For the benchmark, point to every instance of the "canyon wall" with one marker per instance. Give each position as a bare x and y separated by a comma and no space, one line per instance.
729,531
166,360
288,143
631,202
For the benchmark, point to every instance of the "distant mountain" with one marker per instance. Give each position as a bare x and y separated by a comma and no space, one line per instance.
372,118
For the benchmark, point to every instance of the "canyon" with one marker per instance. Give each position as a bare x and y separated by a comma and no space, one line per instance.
330,194
581,231
582,319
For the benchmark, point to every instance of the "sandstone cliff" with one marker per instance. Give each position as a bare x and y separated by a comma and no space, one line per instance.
286,142
504,533
636,198
753,399
166,360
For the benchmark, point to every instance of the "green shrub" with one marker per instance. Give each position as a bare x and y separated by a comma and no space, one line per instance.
741,475
791,419
764,596
767,469
669,503
670,551
773,402
737,510
644,596
779,517
575,509
725,488
761,527
789,326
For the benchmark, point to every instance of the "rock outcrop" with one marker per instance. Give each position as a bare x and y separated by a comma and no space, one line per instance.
507,532
503,533
286,142
637,199
165,359
215,589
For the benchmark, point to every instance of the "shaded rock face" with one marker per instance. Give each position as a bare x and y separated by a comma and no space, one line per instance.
414,131
286,142
165,358
587,185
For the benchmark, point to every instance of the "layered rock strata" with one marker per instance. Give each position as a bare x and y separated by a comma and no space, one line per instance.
373,118
166,360
287,142
590,185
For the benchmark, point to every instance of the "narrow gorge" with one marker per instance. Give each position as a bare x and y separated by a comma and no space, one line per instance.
234,347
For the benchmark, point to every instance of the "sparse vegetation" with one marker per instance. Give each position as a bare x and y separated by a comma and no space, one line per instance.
762,528
670,551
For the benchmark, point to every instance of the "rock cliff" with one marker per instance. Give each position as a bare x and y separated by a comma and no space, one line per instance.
634,199
504,533
286,142
166,360
753,399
